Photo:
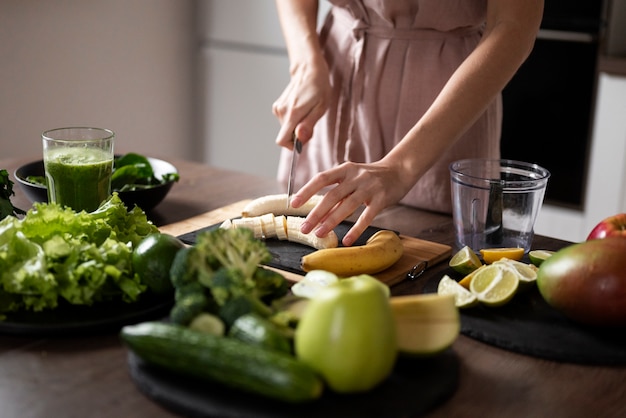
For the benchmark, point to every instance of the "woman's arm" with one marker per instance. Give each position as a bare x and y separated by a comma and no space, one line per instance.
511,29
305,99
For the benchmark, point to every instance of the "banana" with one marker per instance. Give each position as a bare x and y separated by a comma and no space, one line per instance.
381,251
310,239
277,204
283,228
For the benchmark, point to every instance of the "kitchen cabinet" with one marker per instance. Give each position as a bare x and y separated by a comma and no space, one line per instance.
243,68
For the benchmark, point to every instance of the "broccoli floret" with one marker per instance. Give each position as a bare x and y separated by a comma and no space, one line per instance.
234,248
269,284
226,264
188,306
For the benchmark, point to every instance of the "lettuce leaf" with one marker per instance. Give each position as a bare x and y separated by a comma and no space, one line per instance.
54,254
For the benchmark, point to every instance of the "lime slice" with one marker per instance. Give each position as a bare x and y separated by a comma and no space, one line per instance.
495,285
465,281
463,298
527,273
465,261
491,255
539,256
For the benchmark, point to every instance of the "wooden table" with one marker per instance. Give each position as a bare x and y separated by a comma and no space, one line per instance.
88,376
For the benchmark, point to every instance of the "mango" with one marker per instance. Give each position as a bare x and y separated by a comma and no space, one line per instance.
587,281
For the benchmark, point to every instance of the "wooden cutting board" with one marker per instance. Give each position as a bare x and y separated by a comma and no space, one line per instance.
415,250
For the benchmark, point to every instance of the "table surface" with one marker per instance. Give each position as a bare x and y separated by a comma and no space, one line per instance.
88,376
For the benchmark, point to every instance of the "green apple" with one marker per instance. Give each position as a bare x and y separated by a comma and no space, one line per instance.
347,334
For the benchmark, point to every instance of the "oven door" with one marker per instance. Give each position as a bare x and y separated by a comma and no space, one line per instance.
548,109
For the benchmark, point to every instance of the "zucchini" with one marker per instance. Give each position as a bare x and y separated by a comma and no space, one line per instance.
255,330
224,360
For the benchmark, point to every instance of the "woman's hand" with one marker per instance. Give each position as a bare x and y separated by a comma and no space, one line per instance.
302,103
374,185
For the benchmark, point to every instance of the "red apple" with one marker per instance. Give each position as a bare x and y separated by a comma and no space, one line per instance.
612,226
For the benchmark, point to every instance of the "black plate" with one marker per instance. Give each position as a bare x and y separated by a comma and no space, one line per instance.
287,255
415,387
71,320
528,325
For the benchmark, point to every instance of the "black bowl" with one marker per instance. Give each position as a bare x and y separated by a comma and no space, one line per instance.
146,199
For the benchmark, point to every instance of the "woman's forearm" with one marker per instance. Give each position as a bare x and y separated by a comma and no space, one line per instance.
507,41
298,20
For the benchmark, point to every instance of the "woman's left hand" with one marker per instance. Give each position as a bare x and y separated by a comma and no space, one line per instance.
374,185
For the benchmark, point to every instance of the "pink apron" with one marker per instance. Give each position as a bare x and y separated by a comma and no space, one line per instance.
388,61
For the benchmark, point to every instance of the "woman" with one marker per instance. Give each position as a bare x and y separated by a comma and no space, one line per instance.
390,93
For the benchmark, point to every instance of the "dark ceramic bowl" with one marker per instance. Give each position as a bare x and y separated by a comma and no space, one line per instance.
146,199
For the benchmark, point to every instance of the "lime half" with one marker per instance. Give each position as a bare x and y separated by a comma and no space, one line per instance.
465,261
539,256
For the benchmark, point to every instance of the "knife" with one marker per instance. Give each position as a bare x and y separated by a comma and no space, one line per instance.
297,149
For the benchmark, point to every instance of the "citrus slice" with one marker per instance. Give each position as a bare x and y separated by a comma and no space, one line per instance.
465,281
495,285
527,273
463,298
465,261
539,256
494,254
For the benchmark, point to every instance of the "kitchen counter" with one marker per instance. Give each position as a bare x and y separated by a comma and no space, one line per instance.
88,376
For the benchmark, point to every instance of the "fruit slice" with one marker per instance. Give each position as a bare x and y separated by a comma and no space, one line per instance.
526,273
539,256
465,281
465,261
495,285
463,298
426,324
494,254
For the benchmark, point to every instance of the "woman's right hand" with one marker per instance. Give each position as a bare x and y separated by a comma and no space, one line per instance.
303,102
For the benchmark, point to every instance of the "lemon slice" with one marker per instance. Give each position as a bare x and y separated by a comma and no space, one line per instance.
539,256
463,298
465,261
494,254
495,285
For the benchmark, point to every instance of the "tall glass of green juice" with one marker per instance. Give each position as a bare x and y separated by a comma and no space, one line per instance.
78,165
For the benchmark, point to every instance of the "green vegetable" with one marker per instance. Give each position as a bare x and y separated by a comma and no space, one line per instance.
54,253
133,172
347,334
256,330
6,191
152,260
226,262
224,360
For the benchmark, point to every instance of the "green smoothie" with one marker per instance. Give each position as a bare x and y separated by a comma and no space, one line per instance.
78,177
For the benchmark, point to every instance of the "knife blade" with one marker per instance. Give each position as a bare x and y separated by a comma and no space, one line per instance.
297,149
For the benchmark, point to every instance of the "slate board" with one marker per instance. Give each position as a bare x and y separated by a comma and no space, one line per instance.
286,255
528,325
415,387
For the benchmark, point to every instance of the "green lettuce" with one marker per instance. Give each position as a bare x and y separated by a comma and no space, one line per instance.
54,254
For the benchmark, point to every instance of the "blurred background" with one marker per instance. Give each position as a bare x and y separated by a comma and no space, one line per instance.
196,79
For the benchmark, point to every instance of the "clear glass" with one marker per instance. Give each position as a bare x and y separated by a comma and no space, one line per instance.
495,202
78,165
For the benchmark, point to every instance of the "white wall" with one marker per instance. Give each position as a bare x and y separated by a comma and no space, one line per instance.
127,65
244,68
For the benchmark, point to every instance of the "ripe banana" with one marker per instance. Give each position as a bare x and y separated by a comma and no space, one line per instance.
381,251
277,204
283,228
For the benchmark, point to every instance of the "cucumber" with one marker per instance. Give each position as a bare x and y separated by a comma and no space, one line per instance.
254,329
225,360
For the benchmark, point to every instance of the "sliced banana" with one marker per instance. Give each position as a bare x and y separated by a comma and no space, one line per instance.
283,228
